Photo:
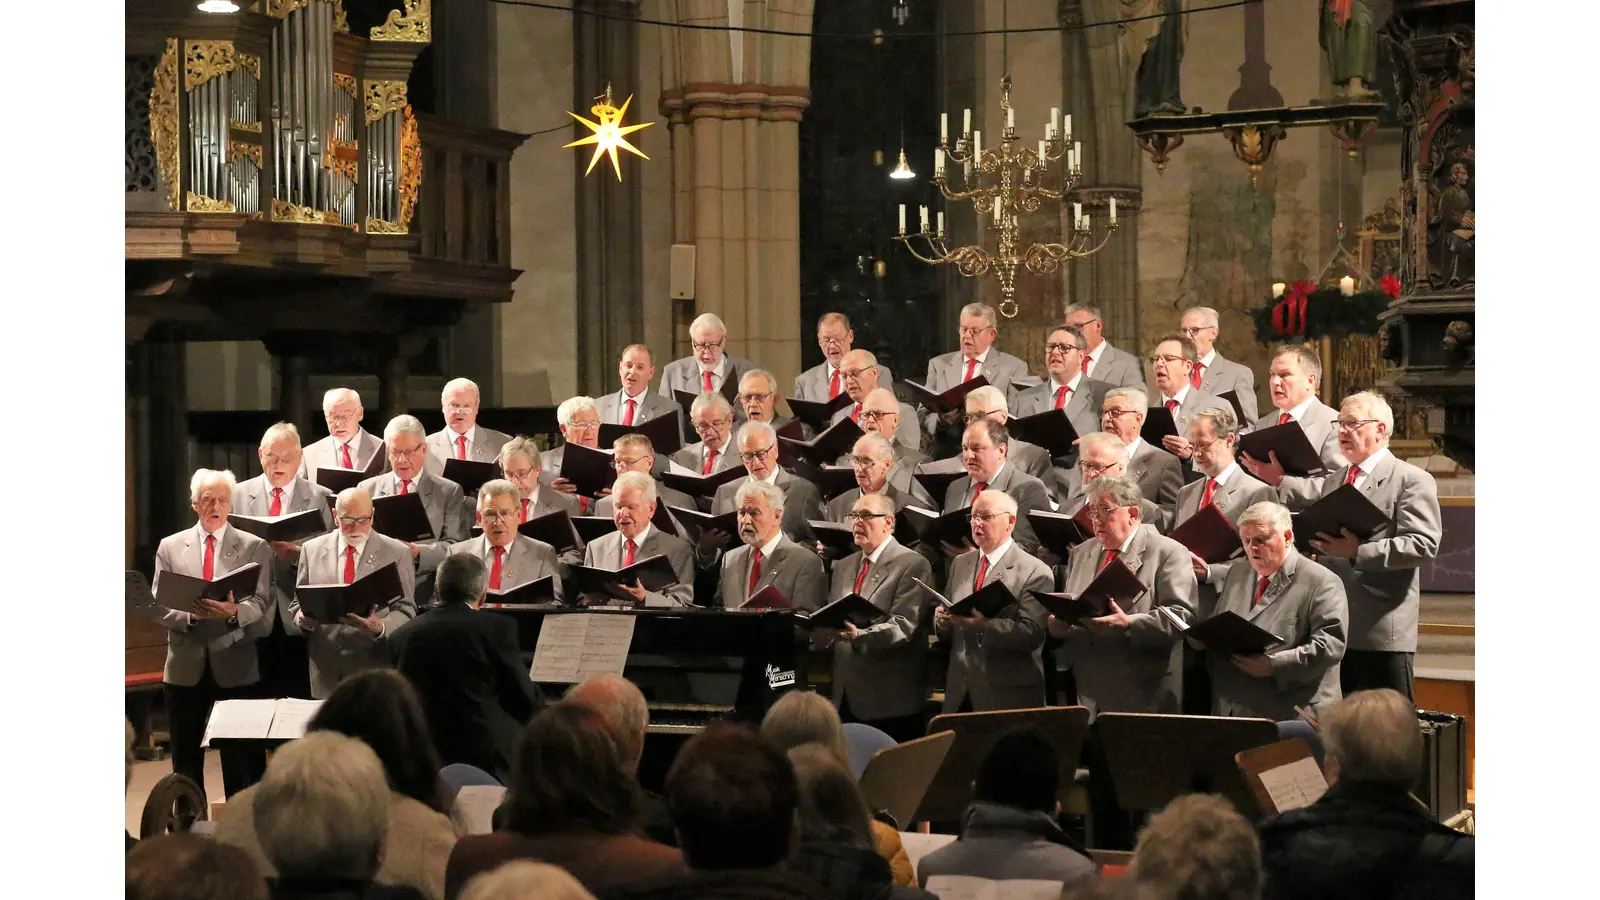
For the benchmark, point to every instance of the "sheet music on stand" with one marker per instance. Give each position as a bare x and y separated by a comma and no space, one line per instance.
576,646
1295,785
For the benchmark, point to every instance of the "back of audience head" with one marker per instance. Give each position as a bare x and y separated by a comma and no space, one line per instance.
622,705
380,708
1373,737
191,867
322,810
1020,770
831,806
733,797
567,773
1199,848
523,879
805,717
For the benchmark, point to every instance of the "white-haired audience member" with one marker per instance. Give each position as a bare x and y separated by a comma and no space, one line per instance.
462,437
348,445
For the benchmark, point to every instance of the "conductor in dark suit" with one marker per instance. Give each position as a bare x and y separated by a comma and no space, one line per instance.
465,665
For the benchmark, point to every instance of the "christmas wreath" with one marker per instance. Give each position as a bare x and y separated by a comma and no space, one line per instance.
1307,312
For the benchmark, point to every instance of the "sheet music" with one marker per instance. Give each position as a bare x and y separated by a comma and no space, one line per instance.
1295,785
475,805
577,646
239,719
291,716
966,887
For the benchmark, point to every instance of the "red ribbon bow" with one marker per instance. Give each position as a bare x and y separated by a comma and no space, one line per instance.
1291,307
1390,285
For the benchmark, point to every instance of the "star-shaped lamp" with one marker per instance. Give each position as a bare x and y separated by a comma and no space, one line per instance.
608,132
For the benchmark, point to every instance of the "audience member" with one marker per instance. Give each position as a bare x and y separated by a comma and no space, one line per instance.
379,708
572,802
323,820
622,705
191,867
836,839
1199,848
807,717
1010,830
1367,829
524,879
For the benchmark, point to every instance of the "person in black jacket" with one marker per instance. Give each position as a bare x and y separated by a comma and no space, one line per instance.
1367,837
465,665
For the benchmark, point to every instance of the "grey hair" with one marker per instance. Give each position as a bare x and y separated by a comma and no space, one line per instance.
881,448
772,383
404,424
203,477
1142,400
1223,424
322,809
1376,738
980,311
990,396
772,493
521,878
498,487
1211,317
1005,502
571,407
334,395
711,400
645,485
461,578
1103,439
1309,361
1273,515
1124,490
621,703
520,446
456,384
278,432
1376,407
763,429
706,321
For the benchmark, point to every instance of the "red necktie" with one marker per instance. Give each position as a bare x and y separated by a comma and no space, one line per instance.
628,549
276,509
1172,407
1283,419
833,385
1350,476
208,567
983,569
1211,488
461,446
706,376
524,509
344,456
1110,555
1261,588
711,457
494,571
971,365
349,564
405,486
1061,396
627,417
861,576
855,414
1194,376
755,573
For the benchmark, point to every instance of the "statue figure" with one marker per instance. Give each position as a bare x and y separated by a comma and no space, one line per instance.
1156,89
1452,251
1350,41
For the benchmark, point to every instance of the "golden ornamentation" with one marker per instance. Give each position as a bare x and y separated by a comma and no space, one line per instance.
410,167
205,60
237,149
379,226
340,23
199,204
383,97
346,83
246,126
608,134
282,8
164,121
412,24
284,211
252,62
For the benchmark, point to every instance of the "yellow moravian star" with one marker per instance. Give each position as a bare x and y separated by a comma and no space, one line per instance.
608,132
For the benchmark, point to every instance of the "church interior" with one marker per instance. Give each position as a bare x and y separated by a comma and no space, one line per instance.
391,196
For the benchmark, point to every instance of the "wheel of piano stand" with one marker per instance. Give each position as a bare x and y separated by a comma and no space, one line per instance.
174,805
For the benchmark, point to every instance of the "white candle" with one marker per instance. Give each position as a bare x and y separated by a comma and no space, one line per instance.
1066,131
1113,210
1278,288
1011,118
966,121
902,218
941,221
1347,286
977,144
944,127
924,210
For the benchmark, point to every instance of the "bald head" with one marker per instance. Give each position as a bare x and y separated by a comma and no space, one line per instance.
859,369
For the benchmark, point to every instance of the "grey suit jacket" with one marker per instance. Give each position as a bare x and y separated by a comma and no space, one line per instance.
651,405
684,375
1304,604
1319,424
1384,582
693,457
883,673
338,651
802,501
902,492
525,560
1241,491
192,643
998,666
795,571
1119,368
606,552
947,370
1159,475
812,384
1028,491
254,498
1083,404
1133,669
1224,375
323,455
446,510
486,446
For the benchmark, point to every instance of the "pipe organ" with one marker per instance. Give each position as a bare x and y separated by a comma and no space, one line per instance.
279,113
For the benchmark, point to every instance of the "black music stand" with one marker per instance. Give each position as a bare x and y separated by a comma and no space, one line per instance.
947,797
1156,758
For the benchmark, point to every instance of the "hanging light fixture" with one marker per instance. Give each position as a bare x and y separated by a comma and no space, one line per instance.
902,170
219,6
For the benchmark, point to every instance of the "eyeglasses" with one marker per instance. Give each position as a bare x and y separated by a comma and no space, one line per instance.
1169,360
865,462
856,373
459,408
1101,513
876,415
984,517
353,521
980,416
495,515
1061,348
753,398
1353,424
753,455
1090,468
1191,332
706,345
974,332
865,516
622,463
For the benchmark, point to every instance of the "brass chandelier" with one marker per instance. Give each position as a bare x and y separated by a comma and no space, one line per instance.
1018,184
